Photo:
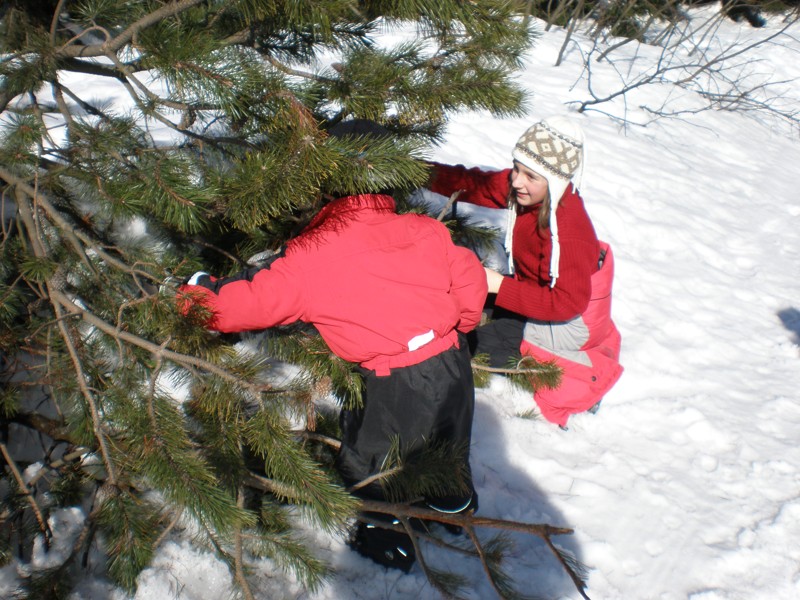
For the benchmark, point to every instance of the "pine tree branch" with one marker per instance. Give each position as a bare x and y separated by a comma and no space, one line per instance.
294,72
26,214
461,519
44,582
517,371
217,544
87,394
58,431
26,492
100,250
155,98
155,349
32,192
373,478
73,65
318,437
54,23
576,579
113,44
450,201
484,561
37,110
429,575
239,571
540,530
158,100
175,520
63,108
243,36
469,521
56,464
124,73
216,141
127,74
266,484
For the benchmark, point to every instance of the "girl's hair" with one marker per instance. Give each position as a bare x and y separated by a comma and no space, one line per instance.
544,212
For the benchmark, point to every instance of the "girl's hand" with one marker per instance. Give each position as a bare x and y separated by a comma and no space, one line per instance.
493,279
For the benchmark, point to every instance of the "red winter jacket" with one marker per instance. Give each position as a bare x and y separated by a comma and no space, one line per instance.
384,290
529,293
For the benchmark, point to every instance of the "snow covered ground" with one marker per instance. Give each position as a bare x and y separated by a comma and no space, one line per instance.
686,484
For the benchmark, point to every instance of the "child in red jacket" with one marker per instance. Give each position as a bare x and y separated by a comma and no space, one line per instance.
556,302
395,295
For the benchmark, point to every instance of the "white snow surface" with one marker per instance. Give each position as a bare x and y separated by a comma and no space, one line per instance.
686,483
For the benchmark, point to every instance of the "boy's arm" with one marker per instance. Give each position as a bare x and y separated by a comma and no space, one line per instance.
253,299
468,286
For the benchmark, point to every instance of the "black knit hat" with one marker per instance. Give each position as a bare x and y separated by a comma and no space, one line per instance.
358,127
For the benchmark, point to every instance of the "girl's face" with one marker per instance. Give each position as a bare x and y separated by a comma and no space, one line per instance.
529,187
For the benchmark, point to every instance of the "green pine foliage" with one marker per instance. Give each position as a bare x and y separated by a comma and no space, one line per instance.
532,375
524,371
196,138
496,549
450,584
129,526
481,376
433,470
290,553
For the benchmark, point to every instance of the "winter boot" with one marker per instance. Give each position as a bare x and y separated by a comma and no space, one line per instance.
384,546
454,506
594,408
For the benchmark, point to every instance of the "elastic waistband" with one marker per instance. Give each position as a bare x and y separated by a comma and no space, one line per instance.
382,365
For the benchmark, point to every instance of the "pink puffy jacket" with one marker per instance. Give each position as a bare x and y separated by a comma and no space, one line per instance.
584,386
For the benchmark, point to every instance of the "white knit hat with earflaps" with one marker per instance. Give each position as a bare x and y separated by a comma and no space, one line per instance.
554,149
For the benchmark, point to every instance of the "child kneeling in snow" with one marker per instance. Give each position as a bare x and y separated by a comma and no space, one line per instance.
395,295
556,305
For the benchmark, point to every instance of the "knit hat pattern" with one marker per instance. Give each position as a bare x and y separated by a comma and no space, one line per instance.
555,145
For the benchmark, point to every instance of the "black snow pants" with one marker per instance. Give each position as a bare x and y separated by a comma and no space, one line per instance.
432,401
500,338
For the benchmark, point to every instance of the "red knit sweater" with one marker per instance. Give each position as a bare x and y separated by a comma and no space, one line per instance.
529,293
